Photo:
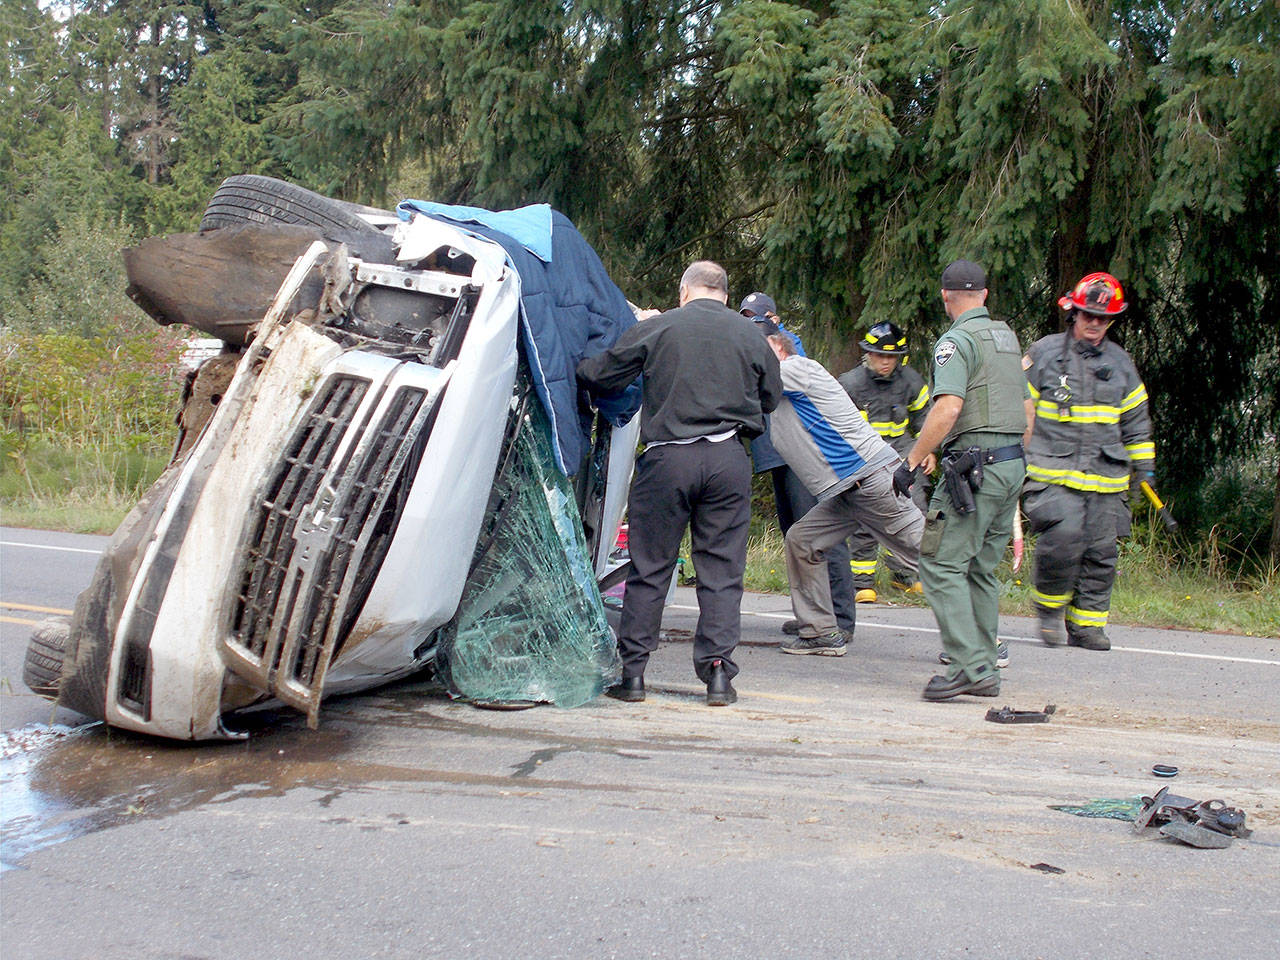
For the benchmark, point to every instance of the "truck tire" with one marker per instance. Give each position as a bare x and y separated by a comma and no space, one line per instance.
42,669
250,198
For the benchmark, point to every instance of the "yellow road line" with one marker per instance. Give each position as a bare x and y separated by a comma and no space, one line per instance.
29,623
33,609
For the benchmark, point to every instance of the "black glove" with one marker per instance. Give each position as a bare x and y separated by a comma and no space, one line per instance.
903,478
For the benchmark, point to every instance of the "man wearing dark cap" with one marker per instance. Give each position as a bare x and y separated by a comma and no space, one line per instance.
709,380
791,497
981,416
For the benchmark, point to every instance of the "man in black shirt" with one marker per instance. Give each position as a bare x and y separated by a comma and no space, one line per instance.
709,379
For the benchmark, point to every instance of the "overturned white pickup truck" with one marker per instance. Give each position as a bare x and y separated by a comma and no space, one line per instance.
390,468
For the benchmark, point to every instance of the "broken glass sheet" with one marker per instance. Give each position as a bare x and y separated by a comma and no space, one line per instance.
530,625
1125,808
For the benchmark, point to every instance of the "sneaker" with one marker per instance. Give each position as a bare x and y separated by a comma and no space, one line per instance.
828,645
791,627
866,595
944,658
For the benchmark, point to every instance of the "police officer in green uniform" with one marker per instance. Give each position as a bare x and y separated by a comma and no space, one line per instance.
981,415
1092,437
894,399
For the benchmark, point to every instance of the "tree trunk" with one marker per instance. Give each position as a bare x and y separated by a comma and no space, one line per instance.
1275,521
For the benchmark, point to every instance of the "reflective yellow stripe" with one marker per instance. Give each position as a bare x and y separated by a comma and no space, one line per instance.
865,568
1050,601
1079,480
1141,451
1087,618
1035,394
1049,410
1134,399
889,428
921,399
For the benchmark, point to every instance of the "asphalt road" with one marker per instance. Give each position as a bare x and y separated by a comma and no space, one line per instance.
831,812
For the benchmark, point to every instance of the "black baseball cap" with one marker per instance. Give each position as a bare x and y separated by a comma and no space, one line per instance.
964,275
758,304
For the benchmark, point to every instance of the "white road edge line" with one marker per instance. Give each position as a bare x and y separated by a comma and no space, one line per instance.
42,546
1033,640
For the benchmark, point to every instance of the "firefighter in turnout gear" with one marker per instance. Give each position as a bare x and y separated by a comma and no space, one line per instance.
894,399
1091,441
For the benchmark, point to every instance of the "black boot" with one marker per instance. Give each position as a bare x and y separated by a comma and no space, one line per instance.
630,689
1091,638
720,692
1051,631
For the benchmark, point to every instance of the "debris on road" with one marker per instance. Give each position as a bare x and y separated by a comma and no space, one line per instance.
1008,715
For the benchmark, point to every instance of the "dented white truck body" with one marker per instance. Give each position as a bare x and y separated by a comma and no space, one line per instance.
322,526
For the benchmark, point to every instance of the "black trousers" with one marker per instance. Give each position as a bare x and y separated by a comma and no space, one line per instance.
793,500
707,487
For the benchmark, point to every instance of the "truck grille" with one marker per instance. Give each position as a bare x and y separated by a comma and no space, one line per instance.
312,531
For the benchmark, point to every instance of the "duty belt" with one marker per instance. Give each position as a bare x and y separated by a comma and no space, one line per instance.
1000,454
962,472
997,455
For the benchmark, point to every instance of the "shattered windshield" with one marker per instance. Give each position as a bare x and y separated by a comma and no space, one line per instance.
530,625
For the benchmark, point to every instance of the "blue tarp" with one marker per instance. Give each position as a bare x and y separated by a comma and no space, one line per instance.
569,310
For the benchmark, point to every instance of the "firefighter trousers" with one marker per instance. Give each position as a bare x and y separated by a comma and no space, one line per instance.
1076,550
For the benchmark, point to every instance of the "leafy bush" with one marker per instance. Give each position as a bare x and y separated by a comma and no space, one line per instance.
110,391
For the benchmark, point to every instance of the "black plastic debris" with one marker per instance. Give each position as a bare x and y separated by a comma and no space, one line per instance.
1164,770
1047,868
1009,715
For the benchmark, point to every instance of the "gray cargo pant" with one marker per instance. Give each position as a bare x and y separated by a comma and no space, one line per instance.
870,505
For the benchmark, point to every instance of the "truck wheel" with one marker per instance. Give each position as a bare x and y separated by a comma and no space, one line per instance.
250,198
42,669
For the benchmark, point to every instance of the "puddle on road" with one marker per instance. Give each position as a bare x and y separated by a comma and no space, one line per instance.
58,782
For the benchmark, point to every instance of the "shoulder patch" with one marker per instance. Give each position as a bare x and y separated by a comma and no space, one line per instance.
1026,362
944,351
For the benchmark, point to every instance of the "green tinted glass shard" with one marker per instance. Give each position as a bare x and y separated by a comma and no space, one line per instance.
1126,808
530,625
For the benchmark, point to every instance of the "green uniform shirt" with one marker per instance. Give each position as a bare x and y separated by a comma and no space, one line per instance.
979,360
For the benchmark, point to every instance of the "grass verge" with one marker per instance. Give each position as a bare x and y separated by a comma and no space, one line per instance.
80,488
1161,583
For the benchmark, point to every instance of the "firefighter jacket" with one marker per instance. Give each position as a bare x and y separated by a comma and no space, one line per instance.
895,405
1093,427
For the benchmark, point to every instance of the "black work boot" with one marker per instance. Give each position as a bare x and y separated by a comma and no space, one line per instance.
1051,631
1090,638
630,689
720,692
946,688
